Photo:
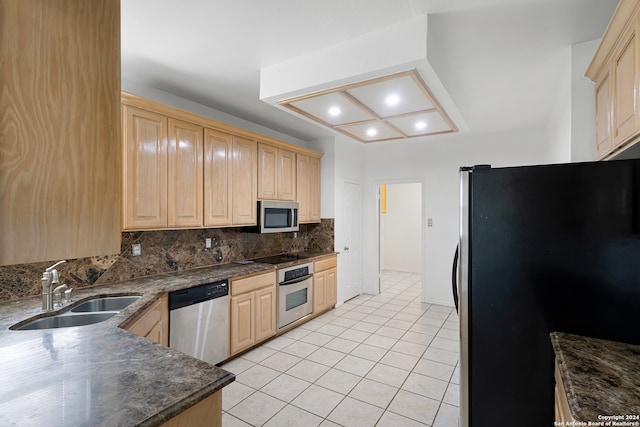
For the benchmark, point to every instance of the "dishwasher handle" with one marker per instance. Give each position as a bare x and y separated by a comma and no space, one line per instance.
297,280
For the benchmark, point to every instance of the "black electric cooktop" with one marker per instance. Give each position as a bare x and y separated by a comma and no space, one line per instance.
277,259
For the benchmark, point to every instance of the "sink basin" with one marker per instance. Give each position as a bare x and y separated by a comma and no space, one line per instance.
66,320
105,304
87,313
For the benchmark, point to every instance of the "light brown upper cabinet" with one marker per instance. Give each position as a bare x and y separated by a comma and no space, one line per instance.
182,170
163,171
245,159
185,174
145,169
308,188
625,96
276,173
604,141
218,166
616,72
60,106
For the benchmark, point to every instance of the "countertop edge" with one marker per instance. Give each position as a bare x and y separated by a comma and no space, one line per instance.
192,400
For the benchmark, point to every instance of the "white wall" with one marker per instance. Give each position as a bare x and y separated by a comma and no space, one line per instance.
193,107
583,103
435,162
349,166
560,114
401,228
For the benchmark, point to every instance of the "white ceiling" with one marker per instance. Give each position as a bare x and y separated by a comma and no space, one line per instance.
506,57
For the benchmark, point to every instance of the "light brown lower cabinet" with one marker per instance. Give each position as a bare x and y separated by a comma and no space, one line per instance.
252,311
325,290
562,411
207,412
153,323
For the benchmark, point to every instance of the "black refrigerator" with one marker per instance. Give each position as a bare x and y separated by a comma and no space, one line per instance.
542,248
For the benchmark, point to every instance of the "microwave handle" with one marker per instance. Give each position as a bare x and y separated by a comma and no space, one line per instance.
294,281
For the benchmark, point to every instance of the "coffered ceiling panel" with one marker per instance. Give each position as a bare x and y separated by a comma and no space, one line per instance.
333,108
396,106
373,131
422,124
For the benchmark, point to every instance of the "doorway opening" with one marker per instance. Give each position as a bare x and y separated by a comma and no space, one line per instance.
400,234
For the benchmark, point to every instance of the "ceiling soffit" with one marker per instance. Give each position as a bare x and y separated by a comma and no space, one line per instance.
355,77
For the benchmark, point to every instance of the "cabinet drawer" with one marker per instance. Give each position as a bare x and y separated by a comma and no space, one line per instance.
325,264
252,283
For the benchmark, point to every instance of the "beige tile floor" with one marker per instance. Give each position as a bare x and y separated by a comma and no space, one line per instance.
384,360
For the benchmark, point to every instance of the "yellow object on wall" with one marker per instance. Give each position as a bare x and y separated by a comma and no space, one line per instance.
383,198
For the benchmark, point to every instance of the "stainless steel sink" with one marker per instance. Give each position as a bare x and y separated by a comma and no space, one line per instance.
87,313
66,320
105,304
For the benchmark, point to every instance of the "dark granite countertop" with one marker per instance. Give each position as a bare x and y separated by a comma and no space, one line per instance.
601,378
100,374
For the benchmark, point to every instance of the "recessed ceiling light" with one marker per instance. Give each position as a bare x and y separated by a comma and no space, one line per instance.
392,100
421,124
334,111
372,131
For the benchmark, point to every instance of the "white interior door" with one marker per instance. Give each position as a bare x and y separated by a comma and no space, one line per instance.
351,249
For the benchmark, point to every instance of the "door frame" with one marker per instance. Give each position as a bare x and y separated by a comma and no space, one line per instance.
377,268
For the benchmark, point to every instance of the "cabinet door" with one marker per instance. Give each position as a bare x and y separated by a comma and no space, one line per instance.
242,334
625,100
144,169
265,313
286,175
218,153
603,117
153,323
302,191
244,184
308,188
60,158
267,174
331,286
185,171
314,189
319,292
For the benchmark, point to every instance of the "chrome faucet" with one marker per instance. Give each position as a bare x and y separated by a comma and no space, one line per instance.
50,279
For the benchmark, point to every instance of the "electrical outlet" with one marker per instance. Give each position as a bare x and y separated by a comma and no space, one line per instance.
136,249
429,222
207,243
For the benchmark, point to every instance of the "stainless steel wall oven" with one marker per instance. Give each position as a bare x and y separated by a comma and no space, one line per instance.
295,293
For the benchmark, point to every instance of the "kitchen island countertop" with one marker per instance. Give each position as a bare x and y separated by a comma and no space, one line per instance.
100,374
601,378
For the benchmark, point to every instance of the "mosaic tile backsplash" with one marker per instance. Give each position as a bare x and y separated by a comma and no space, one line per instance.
165,251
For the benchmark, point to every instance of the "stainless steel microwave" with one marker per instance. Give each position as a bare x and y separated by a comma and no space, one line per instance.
277,217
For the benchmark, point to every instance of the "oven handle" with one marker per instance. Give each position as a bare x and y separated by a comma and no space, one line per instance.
294,281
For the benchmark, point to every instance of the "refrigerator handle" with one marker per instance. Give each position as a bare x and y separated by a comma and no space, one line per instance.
454,278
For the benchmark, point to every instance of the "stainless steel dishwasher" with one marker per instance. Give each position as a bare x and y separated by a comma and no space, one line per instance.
199,321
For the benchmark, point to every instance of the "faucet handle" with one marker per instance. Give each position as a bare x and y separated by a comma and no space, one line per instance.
67,295
58,299
52,268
